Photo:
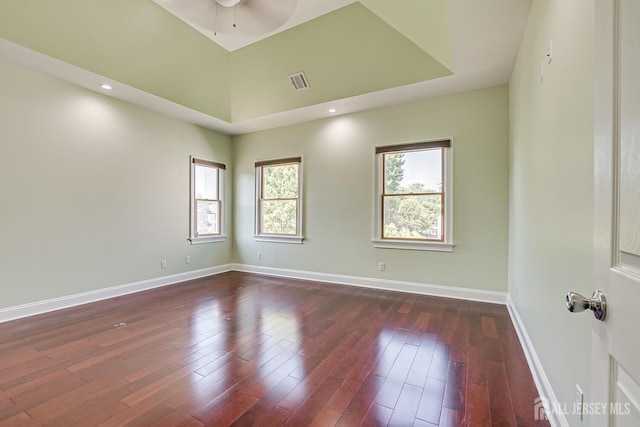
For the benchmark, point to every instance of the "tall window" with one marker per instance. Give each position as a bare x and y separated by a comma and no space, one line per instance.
207,184
278,204
414,196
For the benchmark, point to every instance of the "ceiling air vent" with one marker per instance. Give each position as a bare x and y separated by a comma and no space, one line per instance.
299,81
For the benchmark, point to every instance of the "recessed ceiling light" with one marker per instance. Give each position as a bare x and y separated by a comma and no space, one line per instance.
332,110
106,86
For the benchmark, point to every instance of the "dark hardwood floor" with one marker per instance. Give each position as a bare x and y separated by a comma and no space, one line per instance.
243,349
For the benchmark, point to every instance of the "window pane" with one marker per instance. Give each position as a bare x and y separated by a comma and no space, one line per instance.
206,182
207,217
413,172
278,217
280,182
413,217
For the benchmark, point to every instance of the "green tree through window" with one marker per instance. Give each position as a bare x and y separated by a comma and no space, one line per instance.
207,201
412,197
279,197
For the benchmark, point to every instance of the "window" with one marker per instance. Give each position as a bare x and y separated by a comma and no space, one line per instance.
278,204
207,196
413,203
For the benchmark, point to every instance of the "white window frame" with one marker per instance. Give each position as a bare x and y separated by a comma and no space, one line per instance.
193,230
447,244
278,238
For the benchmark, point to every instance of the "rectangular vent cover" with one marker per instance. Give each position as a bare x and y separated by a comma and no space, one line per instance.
299,81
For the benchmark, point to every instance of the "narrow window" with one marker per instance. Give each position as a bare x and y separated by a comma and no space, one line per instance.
278,204
207,196
414,196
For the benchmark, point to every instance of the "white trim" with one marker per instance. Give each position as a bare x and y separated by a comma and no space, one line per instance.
193,236
384,284
298,238
279,239
556,419
447,188
39,307
210,239
32,309
412,245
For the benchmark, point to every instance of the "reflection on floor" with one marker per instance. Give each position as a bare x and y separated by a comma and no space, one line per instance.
244,349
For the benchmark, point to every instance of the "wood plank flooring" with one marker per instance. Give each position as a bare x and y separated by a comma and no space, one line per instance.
248,350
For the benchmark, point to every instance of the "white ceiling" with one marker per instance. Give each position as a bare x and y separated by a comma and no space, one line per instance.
305,10
485,37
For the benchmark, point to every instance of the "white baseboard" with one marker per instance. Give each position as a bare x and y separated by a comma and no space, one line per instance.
46,306
556,419
39,307
390,285
539,376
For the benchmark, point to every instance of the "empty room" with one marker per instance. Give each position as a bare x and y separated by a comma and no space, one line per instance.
319,213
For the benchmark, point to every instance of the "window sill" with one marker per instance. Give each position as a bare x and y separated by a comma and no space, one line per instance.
414,246
280,239
208,239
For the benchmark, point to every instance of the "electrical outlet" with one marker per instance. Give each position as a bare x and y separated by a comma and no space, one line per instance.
258,256
163,263
187,259
579,402
381,266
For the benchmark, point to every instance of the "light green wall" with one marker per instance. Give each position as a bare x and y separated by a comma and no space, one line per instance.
338,162
360,54
426,23
344,53
94,190
135,42
551,188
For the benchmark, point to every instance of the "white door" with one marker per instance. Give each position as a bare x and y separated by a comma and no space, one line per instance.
615,388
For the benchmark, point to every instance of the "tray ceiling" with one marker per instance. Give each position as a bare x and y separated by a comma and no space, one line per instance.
355,54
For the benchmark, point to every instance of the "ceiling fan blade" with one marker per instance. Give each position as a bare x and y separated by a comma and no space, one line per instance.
275,12
252,17
200,13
